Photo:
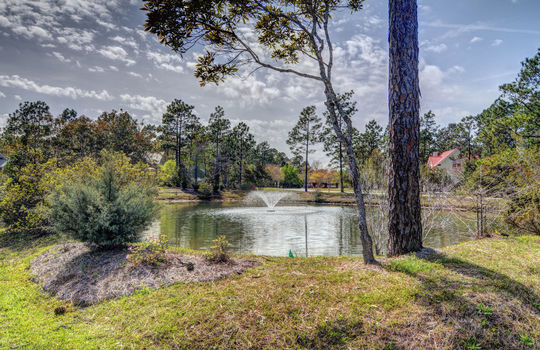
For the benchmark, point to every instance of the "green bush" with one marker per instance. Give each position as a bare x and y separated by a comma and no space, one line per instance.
168,175
290,176
104,213
205,190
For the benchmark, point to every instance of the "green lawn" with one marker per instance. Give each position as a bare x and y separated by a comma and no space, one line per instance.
482,294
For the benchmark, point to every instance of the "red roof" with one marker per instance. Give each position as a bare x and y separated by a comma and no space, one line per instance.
433,161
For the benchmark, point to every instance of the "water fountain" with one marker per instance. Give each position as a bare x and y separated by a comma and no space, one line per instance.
270,198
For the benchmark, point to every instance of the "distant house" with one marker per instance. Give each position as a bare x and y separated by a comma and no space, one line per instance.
449,161
3,161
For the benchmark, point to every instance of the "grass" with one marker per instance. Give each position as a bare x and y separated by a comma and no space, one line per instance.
479,295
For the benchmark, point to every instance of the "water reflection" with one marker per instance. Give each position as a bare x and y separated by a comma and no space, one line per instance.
305,230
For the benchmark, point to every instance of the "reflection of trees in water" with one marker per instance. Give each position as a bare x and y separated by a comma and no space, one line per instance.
330,231
192,226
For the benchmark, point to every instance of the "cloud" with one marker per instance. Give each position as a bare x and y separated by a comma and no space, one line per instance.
166,61
2,94
155,106
116,53
249,91
476,39
133,74
15,81
60,57
437,48
496,42
464,28
96,69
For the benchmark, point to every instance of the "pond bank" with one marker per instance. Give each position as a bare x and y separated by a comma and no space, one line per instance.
483,293
176,195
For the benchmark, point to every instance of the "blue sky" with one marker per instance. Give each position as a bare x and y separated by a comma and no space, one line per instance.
93,56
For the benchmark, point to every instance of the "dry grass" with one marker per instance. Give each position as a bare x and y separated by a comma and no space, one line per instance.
481,294
73,273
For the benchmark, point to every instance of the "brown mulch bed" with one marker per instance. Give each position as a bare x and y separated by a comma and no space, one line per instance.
72,272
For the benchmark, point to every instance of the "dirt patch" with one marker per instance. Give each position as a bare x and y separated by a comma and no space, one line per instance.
73,272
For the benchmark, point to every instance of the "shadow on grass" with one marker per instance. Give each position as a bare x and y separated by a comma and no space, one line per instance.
487,309
27,240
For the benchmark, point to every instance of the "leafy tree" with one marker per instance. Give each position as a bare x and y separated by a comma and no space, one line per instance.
77,137
118,131
290,176
289,31
175,121
405,226
306,133
168,173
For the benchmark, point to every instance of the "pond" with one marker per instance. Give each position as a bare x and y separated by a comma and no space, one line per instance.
306,230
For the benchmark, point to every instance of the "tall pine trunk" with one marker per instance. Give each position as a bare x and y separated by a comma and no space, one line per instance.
405,224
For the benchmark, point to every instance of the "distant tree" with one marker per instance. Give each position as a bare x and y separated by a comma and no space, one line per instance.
333,145
368,141
405,226
243,142
120,132
77,137
68,114
218,129
306,133
428,136
29,126
290,176
174,122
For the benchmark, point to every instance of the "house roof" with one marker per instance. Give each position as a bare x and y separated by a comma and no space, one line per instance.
433,161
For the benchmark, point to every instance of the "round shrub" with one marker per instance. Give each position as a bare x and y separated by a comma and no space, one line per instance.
104,213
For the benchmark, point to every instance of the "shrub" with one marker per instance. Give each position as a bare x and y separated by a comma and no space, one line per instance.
168,175
218,251
108,212
151,253
205,190
22,199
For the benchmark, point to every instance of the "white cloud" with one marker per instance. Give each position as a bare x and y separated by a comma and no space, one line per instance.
476,39
96,69
437,48
133,74
2,94
155,106
496,42
166,61
61,57
249,91
116,53
15,81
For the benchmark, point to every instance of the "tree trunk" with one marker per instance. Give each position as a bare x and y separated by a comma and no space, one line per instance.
332,104
306,165
341,167
405,226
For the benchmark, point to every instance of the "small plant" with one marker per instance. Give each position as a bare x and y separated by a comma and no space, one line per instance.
470,344
484,310
526,340
151,253
218,251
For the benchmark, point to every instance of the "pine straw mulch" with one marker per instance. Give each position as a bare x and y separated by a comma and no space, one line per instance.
73,272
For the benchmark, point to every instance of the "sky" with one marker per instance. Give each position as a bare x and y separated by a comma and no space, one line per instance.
94,56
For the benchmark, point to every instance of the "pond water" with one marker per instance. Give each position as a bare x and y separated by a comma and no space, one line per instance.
306,230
